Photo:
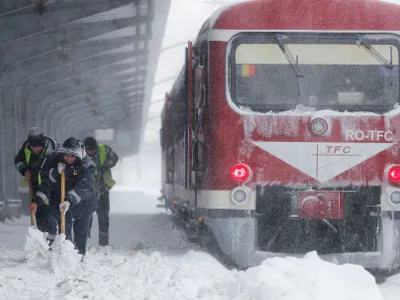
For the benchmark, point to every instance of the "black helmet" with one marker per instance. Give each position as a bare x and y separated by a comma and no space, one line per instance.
36,137
71,146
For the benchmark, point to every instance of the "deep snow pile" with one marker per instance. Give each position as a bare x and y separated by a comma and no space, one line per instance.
308,278
174,271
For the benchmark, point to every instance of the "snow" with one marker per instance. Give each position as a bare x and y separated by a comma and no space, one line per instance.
302,110
151,259
164,265
308,278
391,289
142,200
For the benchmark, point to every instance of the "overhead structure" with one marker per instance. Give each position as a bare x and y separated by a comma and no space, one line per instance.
76,68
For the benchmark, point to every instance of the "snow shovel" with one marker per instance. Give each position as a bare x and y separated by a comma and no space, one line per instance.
33,216
58,247
62,201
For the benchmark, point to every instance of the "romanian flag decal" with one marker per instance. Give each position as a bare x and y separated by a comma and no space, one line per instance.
246,70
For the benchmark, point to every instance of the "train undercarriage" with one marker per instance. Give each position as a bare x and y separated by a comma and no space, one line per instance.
348,222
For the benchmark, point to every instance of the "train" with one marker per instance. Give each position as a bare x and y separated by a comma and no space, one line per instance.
280,136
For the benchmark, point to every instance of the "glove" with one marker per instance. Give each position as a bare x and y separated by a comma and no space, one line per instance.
60,167
27,175
65,205
33,207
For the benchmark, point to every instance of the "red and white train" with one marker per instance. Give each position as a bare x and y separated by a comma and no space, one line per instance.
280,135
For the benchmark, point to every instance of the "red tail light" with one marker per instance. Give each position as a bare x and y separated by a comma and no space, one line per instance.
394,174
240,172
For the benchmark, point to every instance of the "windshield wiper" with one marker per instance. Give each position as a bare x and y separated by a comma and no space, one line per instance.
371,50
294,63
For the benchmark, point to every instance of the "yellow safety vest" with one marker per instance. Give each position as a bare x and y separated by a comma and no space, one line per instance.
28,154
107,176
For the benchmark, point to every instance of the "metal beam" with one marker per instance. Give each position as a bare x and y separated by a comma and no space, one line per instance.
61,14
78,110
11,6
49,114
75,46
58,96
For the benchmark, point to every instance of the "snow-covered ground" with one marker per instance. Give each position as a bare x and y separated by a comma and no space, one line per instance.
153,260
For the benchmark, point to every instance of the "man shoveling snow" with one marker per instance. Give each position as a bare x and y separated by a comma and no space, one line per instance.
80,191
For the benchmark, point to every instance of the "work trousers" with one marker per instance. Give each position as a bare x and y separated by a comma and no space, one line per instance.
103,216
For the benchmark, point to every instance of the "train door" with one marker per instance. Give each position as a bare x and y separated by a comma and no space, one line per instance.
190,121
196,110
199,110
167,147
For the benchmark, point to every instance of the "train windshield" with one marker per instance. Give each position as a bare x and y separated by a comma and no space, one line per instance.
330,71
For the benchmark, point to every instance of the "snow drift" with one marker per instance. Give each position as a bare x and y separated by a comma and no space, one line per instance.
171,272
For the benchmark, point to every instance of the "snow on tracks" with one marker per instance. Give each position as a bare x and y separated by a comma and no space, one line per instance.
161,264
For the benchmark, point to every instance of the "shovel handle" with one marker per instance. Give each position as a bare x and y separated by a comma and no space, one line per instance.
33,217
62,201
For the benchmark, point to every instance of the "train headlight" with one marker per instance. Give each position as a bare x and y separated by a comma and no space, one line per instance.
318,126
394,198
240,195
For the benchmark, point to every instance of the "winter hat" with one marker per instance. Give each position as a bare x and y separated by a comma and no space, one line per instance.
90,143
71,146
36,137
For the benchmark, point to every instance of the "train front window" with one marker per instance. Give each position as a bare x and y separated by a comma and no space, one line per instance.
342,73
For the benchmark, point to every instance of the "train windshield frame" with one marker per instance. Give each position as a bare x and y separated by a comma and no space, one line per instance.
338,71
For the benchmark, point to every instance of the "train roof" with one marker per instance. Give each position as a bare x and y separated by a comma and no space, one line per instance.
369,15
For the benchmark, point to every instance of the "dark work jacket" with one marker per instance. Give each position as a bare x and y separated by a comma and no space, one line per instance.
80,185
36,160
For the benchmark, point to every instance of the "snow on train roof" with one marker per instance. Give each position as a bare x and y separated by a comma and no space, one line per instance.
302,110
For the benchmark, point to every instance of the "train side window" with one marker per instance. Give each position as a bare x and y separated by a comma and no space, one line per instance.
170,165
